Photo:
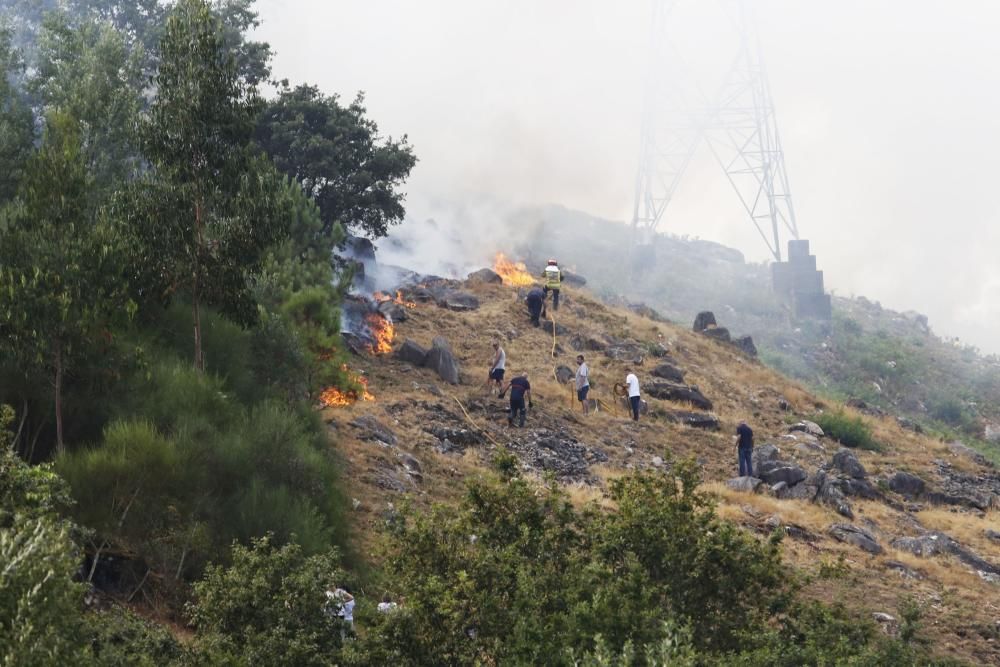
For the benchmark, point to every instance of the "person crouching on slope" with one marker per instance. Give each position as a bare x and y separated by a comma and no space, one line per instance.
520,390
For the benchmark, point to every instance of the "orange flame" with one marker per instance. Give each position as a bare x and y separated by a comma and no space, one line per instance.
513,273
332,397
383,332
382,297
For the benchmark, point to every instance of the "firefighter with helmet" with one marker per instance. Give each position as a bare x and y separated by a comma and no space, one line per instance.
553,281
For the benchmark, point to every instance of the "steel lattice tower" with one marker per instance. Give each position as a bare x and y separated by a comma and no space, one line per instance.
737,122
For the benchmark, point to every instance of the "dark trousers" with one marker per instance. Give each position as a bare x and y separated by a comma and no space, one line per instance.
746,462
555,296
535,309
516,407
634,401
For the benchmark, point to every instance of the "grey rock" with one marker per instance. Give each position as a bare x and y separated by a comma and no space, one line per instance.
373,429
882,617
745,344
558,452
410,462
861,488
765,454
906,484
484,277
859,537
936,543
412,353
560,329
564,374
587,344
744,484
789,474
441,360
457,436
992,535
458,301
810,449
846,462
779,490
801,492
806,426
829,494
668,372
704,320
394,312
903,569
718,333
773,521
672,391
629,352
657,461
694,419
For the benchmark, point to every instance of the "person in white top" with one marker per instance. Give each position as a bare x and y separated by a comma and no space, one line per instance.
386,605
498,368
582,383
632,382
340,602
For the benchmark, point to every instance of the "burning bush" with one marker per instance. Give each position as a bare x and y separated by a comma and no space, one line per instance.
333,397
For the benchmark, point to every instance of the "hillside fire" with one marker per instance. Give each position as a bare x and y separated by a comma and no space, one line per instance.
382,297
383,332
332,397
514,274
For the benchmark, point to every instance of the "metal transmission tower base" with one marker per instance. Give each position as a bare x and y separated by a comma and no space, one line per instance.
738,124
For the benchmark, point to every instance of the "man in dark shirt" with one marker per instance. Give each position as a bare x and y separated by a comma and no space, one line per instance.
744,447
520,390
535,301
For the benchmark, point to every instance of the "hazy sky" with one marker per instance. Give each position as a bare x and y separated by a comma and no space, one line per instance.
889,112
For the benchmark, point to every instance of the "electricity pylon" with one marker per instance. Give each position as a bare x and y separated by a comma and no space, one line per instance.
738,123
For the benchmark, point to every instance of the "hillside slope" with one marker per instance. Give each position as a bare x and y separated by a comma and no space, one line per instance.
420,437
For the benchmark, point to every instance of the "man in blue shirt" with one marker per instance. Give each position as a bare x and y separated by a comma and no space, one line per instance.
520,390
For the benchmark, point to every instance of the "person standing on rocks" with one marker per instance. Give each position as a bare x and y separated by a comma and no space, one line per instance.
632,384
582,383
520,391
553,282
744,449
498,367
535,301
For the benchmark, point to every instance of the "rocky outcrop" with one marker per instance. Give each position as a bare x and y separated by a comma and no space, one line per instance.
625,351
564,374
806,426
744,484
458,301
936,543
442,361
560,329
694,419
846,462
746,345
587,343
484,277
773,472
719,333
955,487
859,537
704,320
668,371
411,352
672,391
557,452
906,484
371,429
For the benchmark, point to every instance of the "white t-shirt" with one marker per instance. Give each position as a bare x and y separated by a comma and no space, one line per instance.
342,607
633,385
582,376
386,607
501,358
349,611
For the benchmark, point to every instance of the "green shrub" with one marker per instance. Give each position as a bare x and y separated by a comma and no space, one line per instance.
848,431
120,638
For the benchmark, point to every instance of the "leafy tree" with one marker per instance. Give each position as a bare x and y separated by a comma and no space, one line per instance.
202,222
267,607
88,71
15,119
59,282
338,157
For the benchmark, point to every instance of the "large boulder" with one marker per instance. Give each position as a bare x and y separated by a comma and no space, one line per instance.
859,537
846,462
672,391
412,353
694,419
773,473
906,484
441,360
744,484
764,454
745,343
668,371
394,312
806,426
372,429
564,374
587,343
704,320
719,333
935,543
459,301
484,277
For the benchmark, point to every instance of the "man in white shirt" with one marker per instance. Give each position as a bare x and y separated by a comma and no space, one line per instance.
582,383
632,382
341,604
499,366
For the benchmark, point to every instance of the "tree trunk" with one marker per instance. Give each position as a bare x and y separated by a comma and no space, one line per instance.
199,359
57,353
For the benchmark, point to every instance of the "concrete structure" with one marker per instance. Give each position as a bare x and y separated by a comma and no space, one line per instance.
801,284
